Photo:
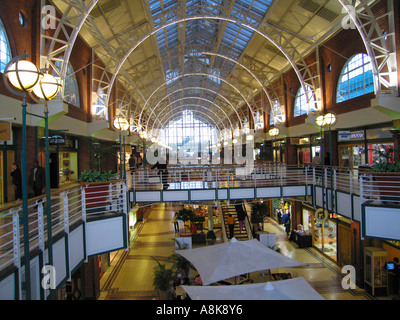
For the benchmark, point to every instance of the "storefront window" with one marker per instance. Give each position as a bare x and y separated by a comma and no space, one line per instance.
68,166
376,152
324,233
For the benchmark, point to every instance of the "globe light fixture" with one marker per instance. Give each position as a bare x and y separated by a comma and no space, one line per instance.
22,74
320,121
273,132
330,119
120,123
47,87
143,134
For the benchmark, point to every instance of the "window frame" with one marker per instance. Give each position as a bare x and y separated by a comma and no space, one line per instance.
7,48
301,93
71,76
367,82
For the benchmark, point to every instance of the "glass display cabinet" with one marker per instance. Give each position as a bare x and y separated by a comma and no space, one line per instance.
375,271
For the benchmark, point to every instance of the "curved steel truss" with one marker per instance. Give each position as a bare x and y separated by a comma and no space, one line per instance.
223,52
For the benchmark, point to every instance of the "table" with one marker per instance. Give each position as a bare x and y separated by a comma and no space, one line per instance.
302,240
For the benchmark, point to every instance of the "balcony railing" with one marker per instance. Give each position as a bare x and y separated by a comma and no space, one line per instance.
68,206
77,203
360,182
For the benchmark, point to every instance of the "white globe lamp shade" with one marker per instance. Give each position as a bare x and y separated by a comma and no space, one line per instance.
22,74
47,87
120,123
330,119
320,121
273,132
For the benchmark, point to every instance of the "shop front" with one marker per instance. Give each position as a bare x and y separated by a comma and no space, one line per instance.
281,210
361,148
323,230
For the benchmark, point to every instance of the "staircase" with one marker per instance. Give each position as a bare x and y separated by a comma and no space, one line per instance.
241,236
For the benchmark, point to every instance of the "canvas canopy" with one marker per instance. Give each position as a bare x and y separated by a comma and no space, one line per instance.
222,261
291,289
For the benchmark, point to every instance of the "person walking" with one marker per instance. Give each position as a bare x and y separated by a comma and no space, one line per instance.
17,181
231,225
37,179
163,171
175,222
241,215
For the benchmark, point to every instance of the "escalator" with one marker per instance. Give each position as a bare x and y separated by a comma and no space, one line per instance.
239,235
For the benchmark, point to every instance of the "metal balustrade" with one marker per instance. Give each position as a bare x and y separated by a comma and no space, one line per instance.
80,203
68,207
380,187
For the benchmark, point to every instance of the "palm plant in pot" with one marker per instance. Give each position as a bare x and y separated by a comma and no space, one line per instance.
163,279
179,262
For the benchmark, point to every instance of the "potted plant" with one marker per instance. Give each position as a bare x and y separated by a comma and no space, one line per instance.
96,186
259,211
163,279
179,262
385,172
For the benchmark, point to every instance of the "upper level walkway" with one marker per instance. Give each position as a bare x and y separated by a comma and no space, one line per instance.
90,220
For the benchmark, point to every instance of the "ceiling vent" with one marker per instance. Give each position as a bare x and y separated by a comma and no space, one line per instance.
105,7
318,10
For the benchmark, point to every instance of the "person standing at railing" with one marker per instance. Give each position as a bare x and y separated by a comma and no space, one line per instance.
317,162
163,172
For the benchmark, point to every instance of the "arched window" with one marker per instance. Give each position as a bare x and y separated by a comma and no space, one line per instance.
71,89
5,52
300,104
275,114
99,111
356,78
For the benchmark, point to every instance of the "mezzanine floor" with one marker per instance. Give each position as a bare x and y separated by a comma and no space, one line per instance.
130,275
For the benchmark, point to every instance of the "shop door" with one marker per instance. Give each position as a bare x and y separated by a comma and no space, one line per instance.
54,174
344,245
352,156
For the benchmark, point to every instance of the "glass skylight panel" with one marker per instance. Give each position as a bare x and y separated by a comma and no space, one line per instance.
256,7
5,52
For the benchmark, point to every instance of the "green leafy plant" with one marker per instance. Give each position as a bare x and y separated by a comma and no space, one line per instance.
179,262
386,160
96,176
259,211
163,277
185,214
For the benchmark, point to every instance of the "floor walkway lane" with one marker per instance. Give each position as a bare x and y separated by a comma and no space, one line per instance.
130,275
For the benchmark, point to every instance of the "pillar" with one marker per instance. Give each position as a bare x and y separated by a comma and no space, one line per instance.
210,233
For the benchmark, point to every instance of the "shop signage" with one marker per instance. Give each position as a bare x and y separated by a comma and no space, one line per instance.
344,135
5,131
348,135
321,215
57,139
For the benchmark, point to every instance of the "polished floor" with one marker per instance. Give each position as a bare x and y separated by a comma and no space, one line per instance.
130,275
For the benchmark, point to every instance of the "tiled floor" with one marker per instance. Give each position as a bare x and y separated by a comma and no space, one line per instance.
130,275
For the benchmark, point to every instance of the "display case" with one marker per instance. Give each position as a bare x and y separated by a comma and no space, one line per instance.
375,271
